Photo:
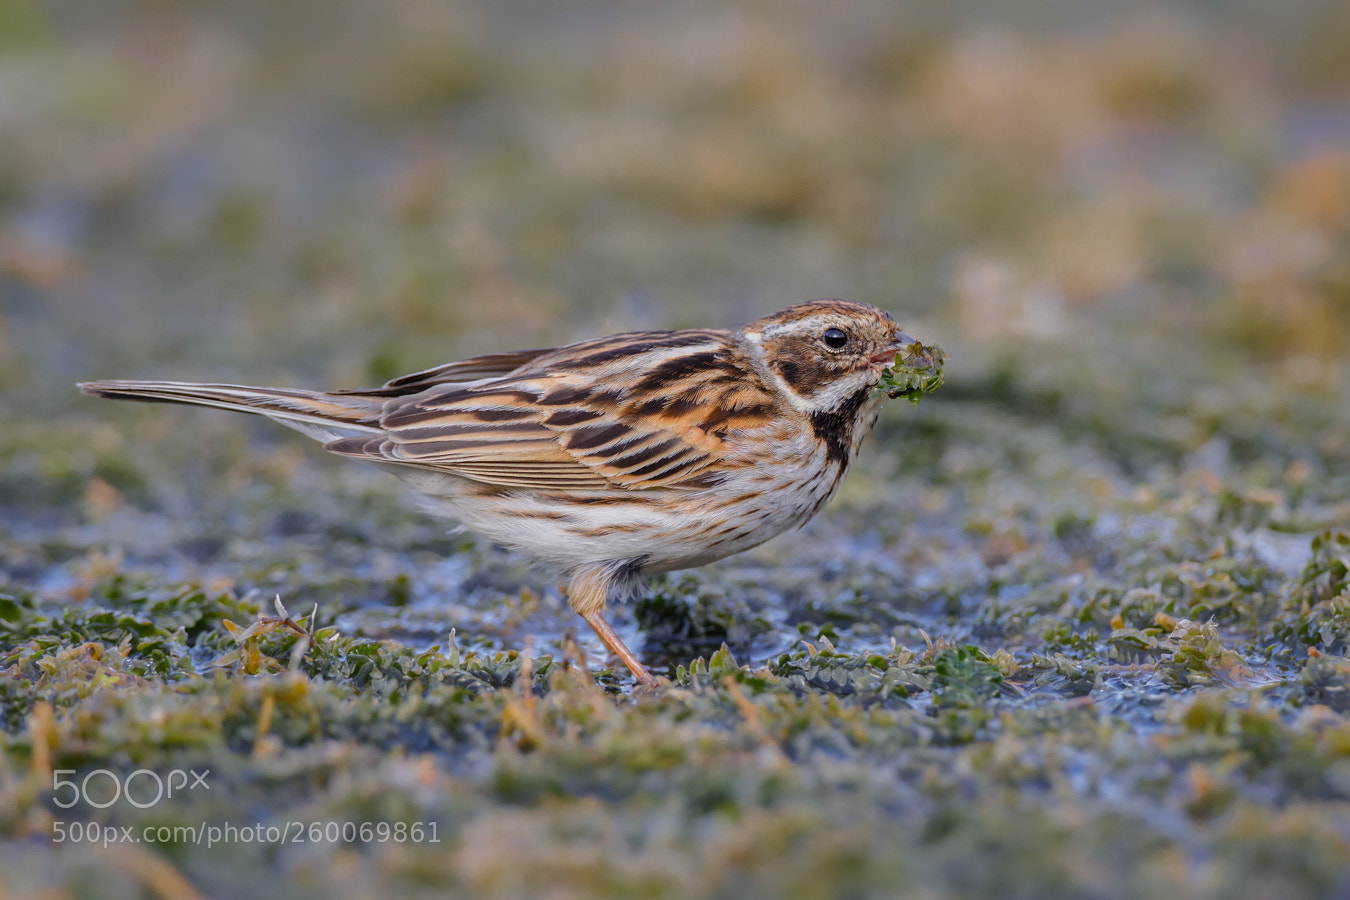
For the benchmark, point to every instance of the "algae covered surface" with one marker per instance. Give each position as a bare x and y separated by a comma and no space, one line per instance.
1078,625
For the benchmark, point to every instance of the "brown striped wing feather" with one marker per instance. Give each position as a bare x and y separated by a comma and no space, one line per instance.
631,411
490,365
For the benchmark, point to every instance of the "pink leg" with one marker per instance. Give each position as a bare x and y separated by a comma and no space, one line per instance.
619,648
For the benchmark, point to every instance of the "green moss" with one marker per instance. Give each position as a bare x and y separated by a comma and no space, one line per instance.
917,371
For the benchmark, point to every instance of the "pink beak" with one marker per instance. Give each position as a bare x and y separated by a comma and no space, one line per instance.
901,341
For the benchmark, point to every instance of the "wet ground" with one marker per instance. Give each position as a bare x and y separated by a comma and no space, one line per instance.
1075,626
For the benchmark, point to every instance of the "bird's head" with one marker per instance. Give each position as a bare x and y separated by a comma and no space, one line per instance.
827,353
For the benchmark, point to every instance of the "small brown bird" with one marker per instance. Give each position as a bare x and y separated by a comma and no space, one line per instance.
615,458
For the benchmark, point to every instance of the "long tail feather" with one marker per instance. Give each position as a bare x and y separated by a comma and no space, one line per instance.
323,416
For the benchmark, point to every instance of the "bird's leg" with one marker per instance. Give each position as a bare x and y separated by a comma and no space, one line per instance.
619,649
587,593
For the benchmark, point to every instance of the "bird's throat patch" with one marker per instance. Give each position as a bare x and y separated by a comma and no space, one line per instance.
835,428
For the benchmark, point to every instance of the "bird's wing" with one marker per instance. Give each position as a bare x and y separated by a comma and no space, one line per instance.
631,411
476,368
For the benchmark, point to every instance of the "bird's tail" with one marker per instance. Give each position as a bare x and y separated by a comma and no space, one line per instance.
327,417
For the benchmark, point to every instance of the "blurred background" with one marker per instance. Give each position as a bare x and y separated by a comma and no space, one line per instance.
333,192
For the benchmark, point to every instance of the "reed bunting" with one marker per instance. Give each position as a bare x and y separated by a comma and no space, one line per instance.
614,458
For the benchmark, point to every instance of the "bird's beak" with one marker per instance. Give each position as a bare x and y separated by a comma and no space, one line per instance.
898,342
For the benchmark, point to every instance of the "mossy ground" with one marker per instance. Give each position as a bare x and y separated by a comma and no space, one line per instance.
1078,625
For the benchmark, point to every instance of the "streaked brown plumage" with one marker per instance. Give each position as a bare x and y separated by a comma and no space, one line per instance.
618,457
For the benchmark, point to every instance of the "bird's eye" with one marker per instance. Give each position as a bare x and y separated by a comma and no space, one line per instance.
834,338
